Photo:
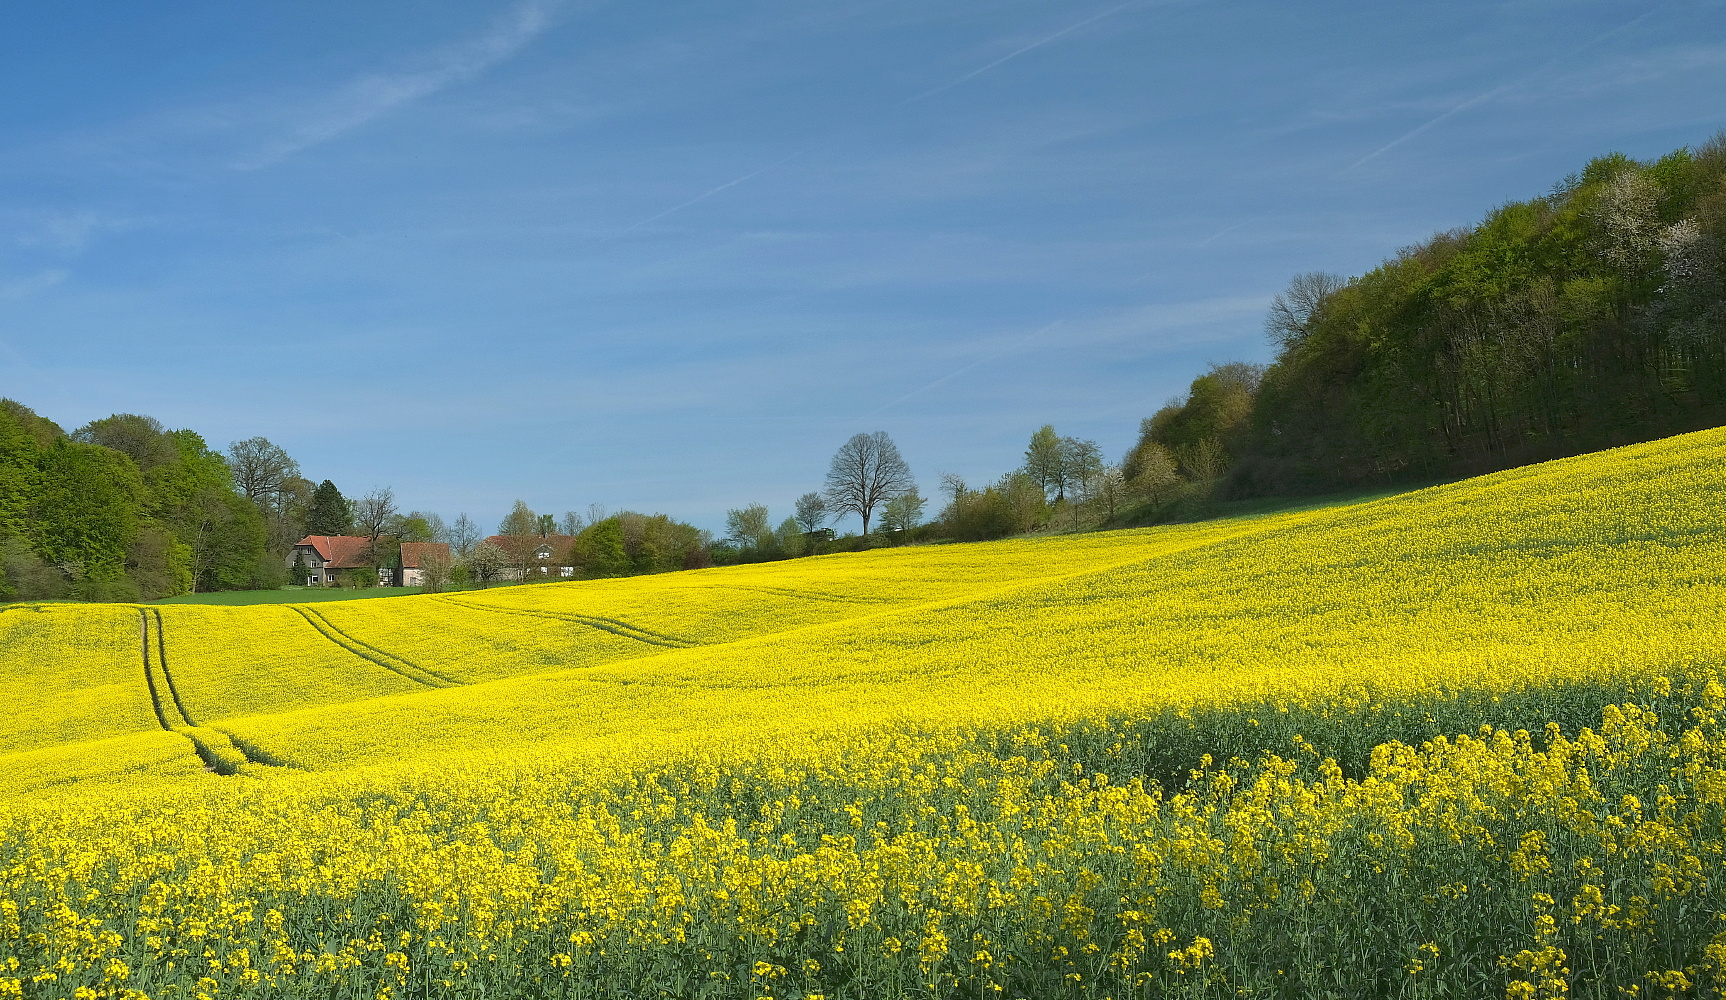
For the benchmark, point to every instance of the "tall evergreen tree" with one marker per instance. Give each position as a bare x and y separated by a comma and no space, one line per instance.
331,513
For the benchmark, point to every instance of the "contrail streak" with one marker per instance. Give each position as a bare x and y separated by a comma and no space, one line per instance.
703,196
911,100
962,370
1212,238
1014,55
1464,106
1494,92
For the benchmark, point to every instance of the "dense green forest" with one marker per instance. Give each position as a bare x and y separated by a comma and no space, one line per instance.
1592,316
121,509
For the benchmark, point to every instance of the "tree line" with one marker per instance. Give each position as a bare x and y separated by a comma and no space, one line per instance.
1589,317
123,509
1064,484
1592,316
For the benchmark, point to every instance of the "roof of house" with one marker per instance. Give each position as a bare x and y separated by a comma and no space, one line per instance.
340,551
559,543
413,552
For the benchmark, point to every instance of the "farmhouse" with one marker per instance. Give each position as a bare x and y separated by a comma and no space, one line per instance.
411,572
325,555
537,555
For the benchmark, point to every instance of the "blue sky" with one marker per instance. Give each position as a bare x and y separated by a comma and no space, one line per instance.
668,257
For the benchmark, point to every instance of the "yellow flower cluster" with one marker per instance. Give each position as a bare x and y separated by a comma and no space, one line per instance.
1464,739
948,863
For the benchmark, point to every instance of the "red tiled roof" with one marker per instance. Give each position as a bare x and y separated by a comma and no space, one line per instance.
413,552
340,551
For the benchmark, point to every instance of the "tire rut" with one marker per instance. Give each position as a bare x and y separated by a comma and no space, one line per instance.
149,674
799,594
162,658
221,753
366,651
611,625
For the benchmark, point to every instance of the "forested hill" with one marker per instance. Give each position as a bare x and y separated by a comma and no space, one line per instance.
120,509
1590,317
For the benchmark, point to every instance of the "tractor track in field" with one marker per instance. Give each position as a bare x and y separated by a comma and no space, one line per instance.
206,741
162,658
149,674
799,594
366,651
612,625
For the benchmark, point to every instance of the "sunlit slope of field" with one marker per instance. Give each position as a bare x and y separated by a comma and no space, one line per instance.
479,636
459,637
717,606
70,673
923,779
242,661
262,660
148,762
1602,566
1599,569
451,640
231,667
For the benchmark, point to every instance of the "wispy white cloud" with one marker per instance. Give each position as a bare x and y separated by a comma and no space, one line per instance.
1503,89
35,284
374,95
63,234
67,232
1172,326
1020,344
1630,70
1016,53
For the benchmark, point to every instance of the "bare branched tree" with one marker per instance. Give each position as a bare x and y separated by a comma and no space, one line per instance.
1080,461
434,572
1294,310
439,530
463,534
374,512
867,471
262,471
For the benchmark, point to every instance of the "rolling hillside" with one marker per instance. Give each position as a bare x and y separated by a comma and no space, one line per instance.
723,773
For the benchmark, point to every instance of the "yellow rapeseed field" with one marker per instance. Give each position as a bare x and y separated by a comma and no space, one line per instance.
1466,741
